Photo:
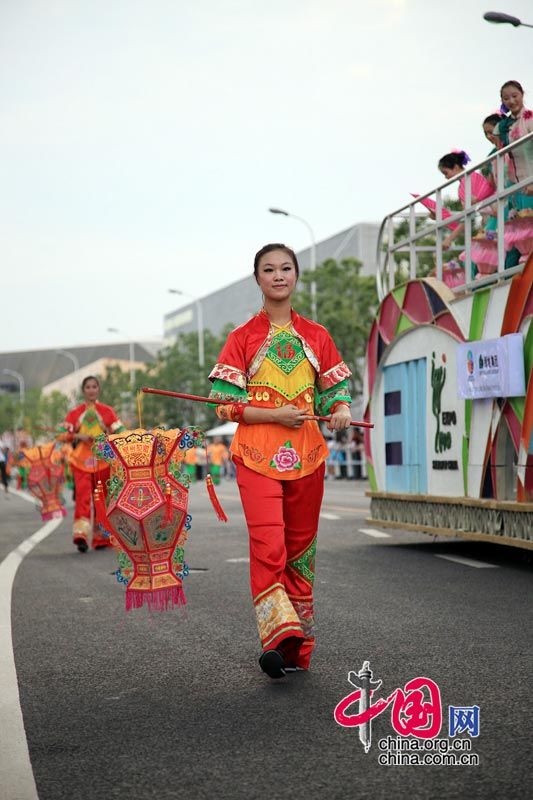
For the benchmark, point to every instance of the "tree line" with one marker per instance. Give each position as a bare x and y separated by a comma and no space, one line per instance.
346,306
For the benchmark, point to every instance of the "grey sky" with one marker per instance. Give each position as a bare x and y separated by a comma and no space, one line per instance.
142,141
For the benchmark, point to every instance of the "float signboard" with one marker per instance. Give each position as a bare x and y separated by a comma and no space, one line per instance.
491,368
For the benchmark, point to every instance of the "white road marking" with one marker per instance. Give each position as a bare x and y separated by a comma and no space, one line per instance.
16,774
237,560
25,496
375,534
468,562
328,516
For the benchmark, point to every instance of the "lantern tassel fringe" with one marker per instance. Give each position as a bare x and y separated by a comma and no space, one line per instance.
58,514
159,600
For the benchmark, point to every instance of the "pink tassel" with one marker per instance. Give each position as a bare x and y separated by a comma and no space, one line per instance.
215,502
159,600
58,514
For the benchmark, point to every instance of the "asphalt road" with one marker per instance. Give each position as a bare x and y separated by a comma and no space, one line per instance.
174,705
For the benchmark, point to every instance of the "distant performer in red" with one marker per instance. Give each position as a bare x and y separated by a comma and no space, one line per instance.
81,427
279,369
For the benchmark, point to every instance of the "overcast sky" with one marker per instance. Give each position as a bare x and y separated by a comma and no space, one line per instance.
141,141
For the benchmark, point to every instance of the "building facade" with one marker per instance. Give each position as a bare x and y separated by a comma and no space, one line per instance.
237,302
39,368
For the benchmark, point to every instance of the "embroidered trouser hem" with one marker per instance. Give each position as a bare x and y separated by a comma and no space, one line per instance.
282,518
85,483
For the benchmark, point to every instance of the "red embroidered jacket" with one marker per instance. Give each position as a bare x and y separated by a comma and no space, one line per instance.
247,346
259,364
91,419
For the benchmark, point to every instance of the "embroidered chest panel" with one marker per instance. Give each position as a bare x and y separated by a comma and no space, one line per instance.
91,424
285,369
285,352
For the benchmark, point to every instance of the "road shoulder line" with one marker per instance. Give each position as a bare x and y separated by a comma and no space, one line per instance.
16,773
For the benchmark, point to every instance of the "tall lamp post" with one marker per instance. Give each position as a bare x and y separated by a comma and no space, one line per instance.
499,18
132,356
75,363
200,323
313,252
72,357
22,396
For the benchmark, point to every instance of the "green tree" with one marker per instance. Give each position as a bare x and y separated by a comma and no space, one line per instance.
9,412
346,306
115,390
177,369
39,412
53,408
32,413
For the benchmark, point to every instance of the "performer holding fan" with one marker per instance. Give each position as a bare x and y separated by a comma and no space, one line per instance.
81,427
277,369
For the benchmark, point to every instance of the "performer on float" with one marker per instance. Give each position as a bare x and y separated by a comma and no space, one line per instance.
82,425
483,251
280,368
519,228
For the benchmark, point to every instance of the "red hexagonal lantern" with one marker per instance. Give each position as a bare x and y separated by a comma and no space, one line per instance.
45,478
147,495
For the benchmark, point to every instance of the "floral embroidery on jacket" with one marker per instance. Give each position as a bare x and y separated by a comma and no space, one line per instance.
228,373
286,458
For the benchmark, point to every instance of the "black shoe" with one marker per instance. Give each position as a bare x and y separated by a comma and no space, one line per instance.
272,663
291,668
82,545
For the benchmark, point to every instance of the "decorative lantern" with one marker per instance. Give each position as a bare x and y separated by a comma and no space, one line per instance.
147,494
45,478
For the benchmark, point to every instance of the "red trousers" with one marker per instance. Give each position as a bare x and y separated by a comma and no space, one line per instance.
85,483
282,518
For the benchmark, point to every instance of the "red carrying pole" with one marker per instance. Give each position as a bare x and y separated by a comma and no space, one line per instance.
199,399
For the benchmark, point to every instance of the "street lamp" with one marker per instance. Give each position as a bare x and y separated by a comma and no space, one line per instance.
132,356
22,390
75,364
72,357
498,17
200,323
313,252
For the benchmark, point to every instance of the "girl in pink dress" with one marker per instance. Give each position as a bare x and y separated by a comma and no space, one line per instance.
483,251
519,229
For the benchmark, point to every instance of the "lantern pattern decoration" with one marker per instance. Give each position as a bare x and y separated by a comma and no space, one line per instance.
45,478
146,513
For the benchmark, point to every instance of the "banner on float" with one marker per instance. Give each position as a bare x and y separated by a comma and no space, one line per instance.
491,368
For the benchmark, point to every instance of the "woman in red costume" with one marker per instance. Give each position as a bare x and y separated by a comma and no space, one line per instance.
279,368
82,425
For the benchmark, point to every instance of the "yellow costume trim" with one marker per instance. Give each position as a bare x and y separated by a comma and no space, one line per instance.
301,379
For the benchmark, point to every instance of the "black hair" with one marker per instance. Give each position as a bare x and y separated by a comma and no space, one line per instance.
268,248
511,83
493,119
89,378
451,160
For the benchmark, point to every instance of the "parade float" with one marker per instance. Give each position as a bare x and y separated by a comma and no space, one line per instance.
449,386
